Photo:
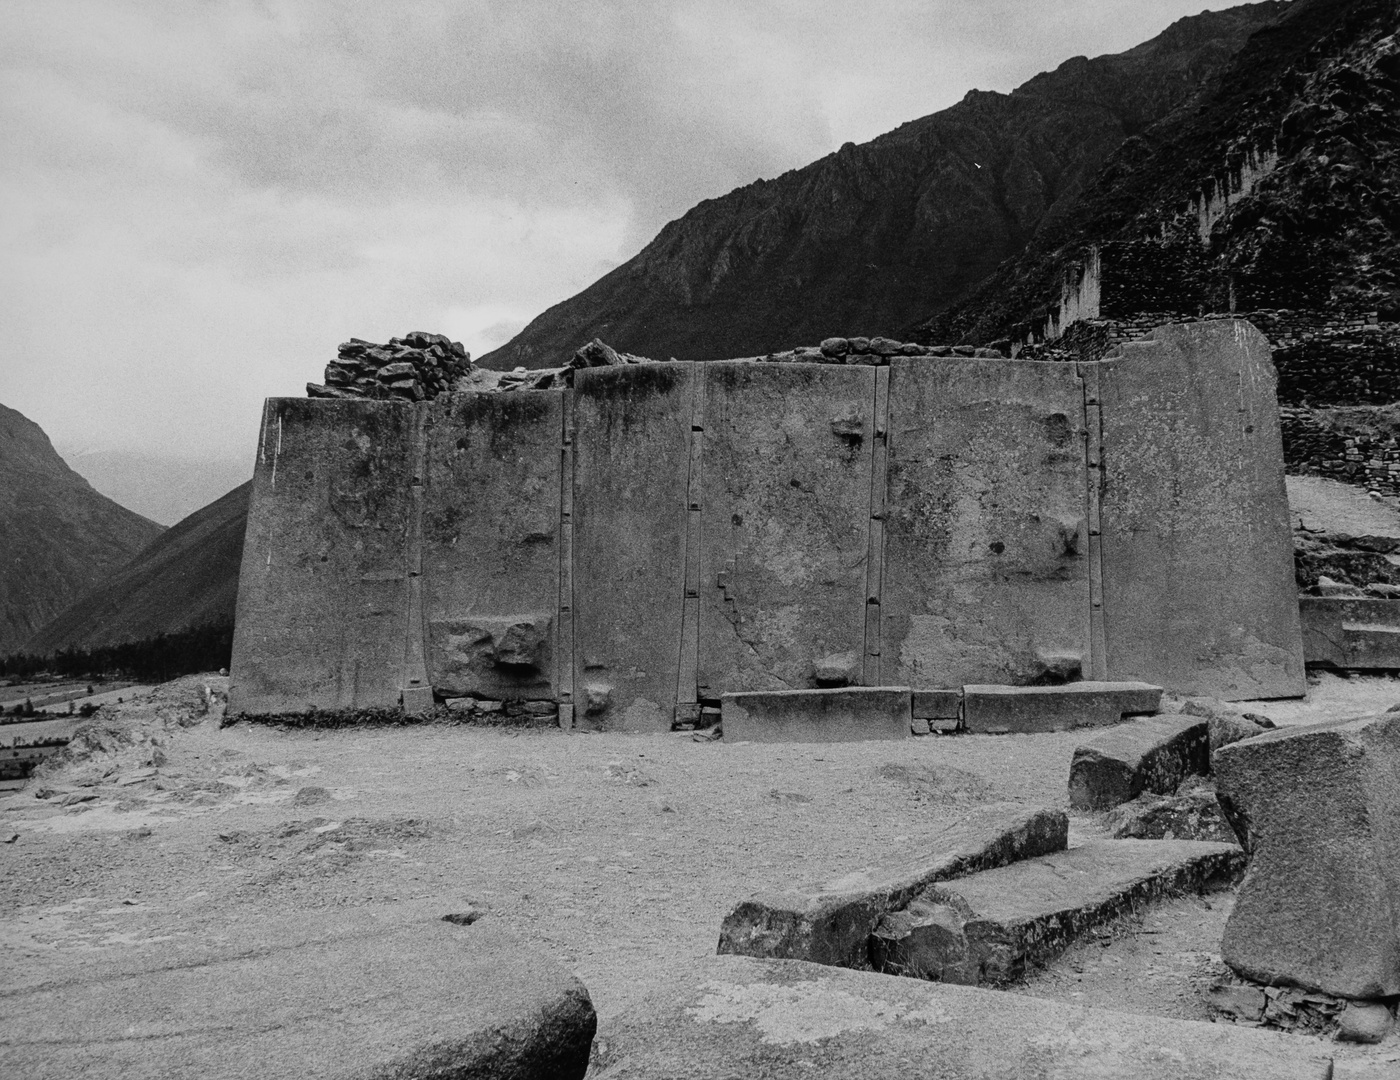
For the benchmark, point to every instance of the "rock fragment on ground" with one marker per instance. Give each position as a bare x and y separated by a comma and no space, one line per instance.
1193,813
1319,809
1152,754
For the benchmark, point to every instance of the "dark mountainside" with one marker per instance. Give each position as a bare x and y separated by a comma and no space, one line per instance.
874,237
60,538
1321,88
187,578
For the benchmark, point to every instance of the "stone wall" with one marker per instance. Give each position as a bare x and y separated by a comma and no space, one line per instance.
634,545
1341,447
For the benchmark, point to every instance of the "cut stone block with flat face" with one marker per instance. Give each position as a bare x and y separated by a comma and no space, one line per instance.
737,1016
1350,633
830,922
631,466
490,555
1153,754
936,704
334,996
1319,809
1198,587
1031,911
990,709
849,714
787,483
986,570
322,594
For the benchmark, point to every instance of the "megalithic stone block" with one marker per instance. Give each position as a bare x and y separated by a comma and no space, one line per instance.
1319,809
831,923
992,709
1153,754
850,714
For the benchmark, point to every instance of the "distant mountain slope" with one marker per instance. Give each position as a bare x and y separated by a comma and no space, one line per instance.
58,537
872,237
188,577
1320,89
163,487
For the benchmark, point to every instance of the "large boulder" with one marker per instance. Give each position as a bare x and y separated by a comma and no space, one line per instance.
1319,809
1153,754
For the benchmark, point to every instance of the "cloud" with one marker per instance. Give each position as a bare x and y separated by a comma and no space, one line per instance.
198,201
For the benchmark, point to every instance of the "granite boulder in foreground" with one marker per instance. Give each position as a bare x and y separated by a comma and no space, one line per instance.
731,1016
1319,809
831,922
358,995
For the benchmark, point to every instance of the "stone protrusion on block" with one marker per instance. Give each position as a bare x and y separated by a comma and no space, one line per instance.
1318,808
831,922
924,941
936,704
1350,632
849,714
992,709
1152,754
736,1016
1028,912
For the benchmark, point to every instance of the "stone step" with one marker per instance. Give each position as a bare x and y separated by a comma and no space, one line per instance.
731,1016
1026,913
831,922
849,714
1152,754
1000,710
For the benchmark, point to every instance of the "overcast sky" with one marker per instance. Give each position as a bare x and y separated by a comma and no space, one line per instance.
200,199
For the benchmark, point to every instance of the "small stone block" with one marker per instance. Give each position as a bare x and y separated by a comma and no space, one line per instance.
490,706
850,714
936,704
992,709
566,717
688,712
417,700
945,726
919,725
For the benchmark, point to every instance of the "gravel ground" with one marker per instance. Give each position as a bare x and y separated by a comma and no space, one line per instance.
619,854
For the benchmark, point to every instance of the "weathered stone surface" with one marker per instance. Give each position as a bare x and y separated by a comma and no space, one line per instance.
1191,814
1198,587
631,467
1030,911
786,513
732,1016
850,714
986,542
1365,1022
924,941
1152,754
936,704
490,543
323,595
838,669
1319,809
994,709
831,922
339,996
1351,633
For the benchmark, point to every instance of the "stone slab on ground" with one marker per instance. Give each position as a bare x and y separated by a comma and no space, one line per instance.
731,1016
329,996
994,709
1152,754
1030,911
1319,809
1348,632
847,714
831,922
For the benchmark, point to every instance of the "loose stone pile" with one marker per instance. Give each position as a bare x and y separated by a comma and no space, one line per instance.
414,367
